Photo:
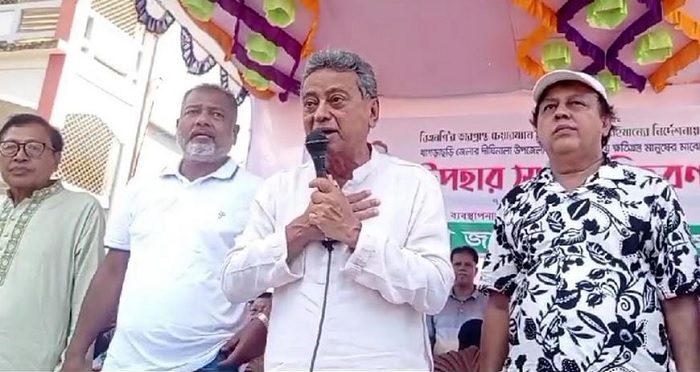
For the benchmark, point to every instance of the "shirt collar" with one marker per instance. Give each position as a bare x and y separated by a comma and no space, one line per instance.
361,173
609,170
472,296
365,170
224,172
44,192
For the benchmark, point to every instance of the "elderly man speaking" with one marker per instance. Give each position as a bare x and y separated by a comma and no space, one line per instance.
390,265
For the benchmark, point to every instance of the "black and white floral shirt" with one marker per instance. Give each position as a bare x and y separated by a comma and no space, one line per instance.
586,270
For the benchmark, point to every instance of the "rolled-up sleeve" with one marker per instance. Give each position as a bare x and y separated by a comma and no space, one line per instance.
674,258
417,272
258,260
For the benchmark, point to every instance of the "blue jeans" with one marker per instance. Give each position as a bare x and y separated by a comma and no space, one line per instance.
214,365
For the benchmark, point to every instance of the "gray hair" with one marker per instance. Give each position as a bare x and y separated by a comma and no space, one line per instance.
342,61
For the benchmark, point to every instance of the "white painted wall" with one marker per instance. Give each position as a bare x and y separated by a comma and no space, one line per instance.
101,81
158,150
21,78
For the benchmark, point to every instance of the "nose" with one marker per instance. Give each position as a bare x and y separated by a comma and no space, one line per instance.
561,113
202,119
21,155
322,114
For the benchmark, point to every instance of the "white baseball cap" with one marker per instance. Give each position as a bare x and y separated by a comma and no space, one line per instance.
557,76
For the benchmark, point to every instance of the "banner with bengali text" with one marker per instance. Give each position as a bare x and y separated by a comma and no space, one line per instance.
479,158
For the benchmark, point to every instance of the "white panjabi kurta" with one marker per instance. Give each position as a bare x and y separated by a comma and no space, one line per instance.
378,296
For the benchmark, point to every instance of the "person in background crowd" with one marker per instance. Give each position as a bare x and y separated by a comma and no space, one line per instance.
466,302
591,265
102,344
50,246
470,334
390,265
261,305
381,147
167,238
259,308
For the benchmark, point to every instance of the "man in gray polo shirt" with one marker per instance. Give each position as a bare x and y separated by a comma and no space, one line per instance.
466,302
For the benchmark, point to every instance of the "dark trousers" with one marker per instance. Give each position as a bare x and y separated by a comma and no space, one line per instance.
214,365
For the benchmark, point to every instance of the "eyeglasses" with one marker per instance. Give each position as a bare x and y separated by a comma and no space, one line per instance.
33,149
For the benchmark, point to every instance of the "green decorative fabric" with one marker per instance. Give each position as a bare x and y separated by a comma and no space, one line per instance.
280,13
612,83
556,55
202,10
256,80
260,49
606,14
654,47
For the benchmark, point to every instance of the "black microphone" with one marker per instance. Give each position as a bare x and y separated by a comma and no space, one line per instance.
317,146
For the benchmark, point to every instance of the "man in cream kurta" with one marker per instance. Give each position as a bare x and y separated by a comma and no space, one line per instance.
383,281
50,246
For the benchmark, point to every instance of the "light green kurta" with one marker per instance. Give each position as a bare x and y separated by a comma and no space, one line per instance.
50,247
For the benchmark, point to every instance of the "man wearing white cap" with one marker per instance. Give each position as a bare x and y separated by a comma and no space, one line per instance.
591,266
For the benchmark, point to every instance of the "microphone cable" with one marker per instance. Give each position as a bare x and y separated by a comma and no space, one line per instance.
328,244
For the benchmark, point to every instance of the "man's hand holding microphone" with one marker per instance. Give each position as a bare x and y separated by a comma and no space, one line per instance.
337,216
330,214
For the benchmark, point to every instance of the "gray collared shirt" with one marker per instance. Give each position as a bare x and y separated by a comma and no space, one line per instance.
444,326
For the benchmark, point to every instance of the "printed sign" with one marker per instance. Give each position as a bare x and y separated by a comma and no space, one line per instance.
479,158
